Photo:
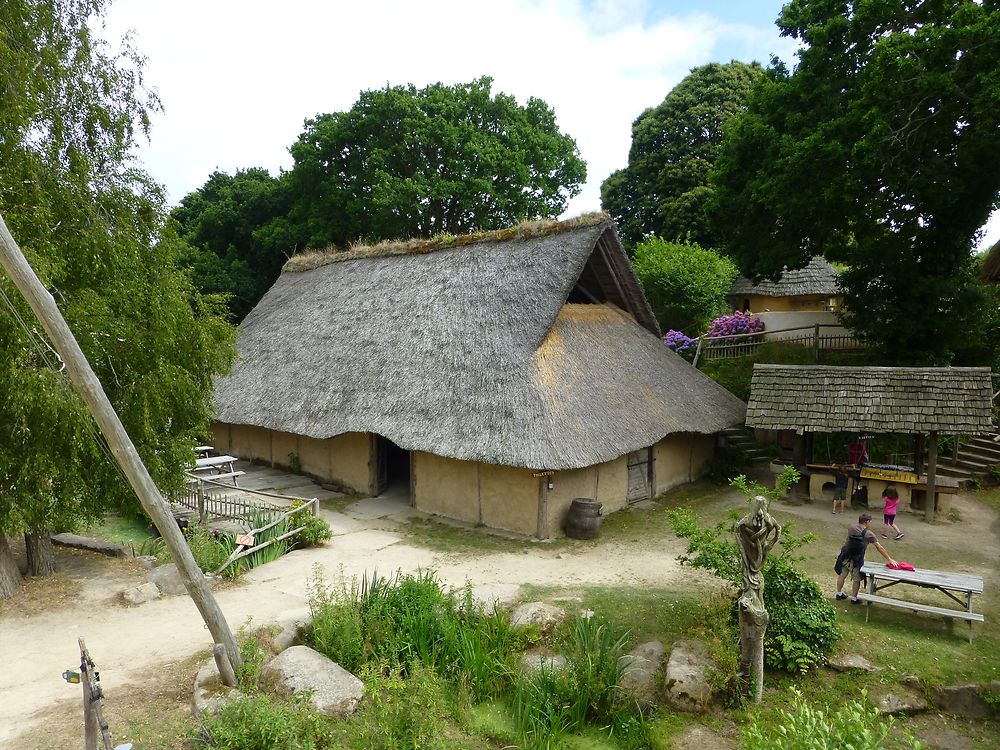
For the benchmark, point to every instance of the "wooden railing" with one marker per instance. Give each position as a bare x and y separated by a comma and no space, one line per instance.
746,344
216,500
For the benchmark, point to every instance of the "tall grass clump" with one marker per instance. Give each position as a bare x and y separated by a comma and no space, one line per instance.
411,619
260,723
552,702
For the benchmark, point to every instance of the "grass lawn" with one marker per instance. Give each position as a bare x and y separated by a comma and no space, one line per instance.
125,531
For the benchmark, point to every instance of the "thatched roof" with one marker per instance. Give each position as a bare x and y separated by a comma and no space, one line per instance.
952,400
471,351
818,277
991,266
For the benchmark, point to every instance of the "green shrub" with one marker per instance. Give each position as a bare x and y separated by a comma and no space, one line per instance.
260,723
402,711
803,629
856,725
729,461
209,550
315,531
409,619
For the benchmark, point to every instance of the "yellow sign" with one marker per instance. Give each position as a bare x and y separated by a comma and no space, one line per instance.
889,475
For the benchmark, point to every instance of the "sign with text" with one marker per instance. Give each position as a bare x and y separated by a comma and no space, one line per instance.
245,539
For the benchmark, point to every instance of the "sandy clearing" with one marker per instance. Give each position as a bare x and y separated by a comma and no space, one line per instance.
126,642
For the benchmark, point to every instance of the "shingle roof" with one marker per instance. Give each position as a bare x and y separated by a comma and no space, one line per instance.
991,264
817,277
480,351
953,400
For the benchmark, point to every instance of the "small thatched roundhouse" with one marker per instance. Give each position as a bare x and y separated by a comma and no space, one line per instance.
500,375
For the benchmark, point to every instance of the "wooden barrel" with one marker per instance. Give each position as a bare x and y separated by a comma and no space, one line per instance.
584,518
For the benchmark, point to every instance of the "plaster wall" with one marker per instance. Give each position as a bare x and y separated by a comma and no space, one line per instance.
681,457
606,482
342,459
508,498
446,486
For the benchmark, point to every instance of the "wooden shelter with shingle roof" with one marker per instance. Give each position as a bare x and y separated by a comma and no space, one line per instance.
888,400
502,374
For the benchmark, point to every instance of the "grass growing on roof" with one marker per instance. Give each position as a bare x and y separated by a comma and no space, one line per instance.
525,230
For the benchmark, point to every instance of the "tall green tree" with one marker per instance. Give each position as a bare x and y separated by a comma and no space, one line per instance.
686,284
94,227
407,162
664,190
234,248
879,150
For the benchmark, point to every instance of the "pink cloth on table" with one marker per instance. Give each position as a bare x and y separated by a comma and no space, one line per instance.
900,565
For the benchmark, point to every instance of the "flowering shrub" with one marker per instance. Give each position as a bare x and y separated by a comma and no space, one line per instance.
682,344
738,322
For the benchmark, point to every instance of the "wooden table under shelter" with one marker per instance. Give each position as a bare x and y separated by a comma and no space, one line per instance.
917,401
881,577
876,478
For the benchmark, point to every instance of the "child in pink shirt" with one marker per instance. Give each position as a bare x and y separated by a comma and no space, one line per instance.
890,499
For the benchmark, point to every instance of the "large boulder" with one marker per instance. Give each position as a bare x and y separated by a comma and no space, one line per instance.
210,694
900,700
639,669
851,662
167,579
546,616
293,628
962,700
331,688
535,661
144,592
686,683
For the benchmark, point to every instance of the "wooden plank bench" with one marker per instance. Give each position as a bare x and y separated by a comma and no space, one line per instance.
959,614
881,577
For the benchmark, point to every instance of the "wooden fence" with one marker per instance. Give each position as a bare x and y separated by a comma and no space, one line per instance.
746,344
215,500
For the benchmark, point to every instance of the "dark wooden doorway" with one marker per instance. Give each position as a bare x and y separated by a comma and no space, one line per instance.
388,465
640,475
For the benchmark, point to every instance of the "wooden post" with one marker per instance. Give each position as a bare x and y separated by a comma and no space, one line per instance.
202,517
816,343
90,388
89,718
225,667
697,352
918,454
929,503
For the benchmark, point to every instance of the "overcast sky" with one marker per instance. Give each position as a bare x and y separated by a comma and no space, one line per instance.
237,79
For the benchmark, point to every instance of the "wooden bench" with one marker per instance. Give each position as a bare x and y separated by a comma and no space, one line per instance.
958,614
882,577
227,475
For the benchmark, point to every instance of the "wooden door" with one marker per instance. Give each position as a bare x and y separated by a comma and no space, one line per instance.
640,474
378,466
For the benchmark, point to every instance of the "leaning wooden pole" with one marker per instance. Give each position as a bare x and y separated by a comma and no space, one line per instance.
89,387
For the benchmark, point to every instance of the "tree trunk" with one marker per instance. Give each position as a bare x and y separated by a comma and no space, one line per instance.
40,552
10,576
753,625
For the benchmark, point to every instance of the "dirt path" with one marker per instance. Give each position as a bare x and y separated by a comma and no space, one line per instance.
127,642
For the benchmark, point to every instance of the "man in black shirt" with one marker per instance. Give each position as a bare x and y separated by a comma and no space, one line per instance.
852,556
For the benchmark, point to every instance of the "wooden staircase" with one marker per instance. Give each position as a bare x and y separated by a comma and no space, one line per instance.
743,439
974,460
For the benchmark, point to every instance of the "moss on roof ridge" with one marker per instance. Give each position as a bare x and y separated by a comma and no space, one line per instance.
311,259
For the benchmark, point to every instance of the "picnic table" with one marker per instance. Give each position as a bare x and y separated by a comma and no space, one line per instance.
222,466
881,577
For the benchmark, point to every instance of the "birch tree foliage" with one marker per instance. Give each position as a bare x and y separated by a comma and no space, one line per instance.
93,225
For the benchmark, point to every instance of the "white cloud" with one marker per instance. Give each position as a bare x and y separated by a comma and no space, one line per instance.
237,79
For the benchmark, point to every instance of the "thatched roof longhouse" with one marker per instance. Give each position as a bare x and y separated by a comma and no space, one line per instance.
818,277
470,351
902,400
